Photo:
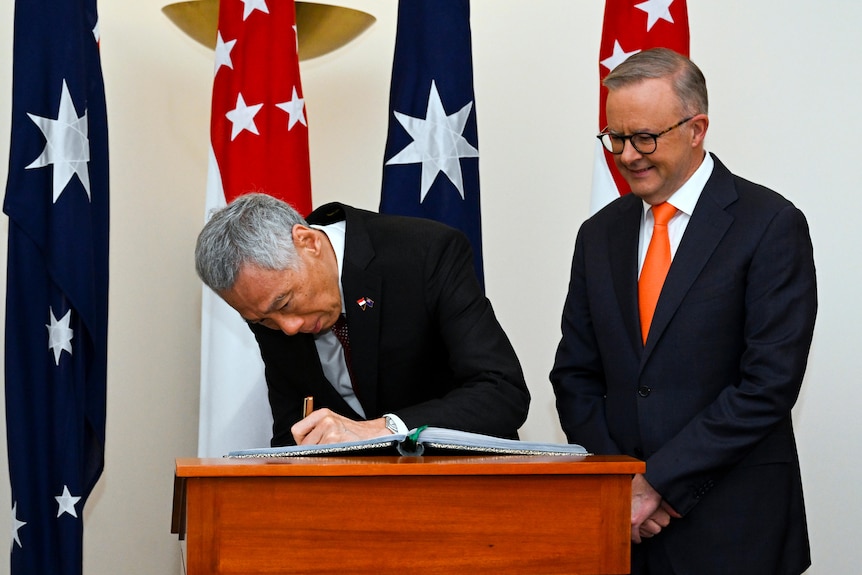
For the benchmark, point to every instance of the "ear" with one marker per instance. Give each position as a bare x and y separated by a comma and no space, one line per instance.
699,125
306,238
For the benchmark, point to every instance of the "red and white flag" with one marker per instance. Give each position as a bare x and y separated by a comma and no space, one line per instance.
259,144
629,27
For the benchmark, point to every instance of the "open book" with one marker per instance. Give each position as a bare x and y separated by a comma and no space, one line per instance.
417,442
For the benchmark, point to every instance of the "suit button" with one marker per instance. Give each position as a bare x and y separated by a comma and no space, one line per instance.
644,391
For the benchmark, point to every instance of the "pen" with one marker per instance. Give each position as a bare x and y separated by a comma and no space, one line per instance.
307,406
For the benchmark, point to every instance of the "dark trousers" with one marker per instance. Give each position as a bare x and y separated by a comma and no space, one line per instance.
649,558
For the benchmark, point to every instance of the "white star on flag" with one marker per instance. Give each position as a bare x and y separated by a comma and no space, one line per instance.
295,109
66,503
16,525
67,145
657,10
251,6
222,53
618,57
437,143
59,335
242,117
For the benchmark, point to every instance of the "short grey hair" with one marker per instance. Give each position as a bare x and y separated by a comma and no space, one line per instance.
255,229
689,83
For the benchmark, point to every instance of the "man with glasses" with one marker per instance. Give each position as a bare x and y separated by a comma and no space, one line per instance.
685,337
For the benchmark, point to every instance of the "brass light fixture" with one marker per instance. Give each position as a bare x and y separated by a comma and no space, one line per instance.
321,28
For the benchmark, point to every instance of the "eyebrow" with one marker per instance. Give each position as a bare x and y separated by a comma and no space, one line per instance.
616,133
271,309
277,303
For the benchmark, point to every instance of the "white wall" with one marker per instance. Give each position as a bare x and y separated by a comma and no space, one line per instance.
784,80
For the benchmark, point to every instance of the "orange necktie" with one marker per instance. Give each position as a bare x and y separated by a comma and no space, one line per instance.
655,267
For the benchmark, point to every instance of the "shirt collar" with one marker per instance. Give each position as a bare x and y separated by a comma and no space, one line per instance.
335,232
685,198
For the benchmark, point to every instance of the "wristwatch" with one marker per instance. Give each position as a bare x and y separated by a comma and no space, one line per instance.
390,424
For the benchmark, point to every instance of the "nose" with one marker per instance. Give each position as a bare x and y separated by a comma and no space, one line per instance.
629,153
291,325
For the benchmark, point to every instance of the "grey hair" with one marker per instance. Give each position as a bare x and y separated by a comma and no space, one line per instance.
254,229
689,83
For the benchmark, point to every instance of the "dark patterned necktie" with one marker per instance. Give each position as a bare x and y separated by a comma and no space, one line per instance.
339,328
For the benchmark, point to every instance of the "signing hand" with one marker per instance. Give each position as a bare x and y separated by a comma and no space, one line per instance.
325,426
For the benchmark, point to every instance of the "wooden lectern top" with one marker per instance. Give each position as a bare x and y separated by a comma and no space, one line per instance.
394,465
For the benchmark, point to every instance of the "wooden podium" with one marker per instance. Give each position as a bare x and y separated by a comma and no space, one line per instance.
363,514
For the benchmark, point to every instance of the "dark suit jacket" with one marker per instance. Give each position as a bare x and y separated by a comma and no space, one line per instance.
429,350
707,401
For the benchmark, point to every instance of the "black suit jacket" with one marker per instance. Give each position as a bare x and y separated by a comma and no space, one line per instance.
707,401
429,349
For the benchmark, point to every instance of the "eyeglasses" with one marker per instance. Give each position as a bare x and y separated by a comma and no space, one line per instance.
644,142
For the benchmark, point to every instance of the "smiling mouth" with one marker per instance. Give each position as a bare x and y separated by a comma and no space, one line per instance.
639,171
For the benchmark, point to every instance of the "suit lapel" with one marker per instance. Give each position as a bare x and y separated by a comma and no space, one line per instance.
623,258
363,301
708,225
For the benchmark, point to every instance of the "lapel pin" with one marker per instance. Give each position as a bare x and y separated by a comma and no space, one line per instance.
364,302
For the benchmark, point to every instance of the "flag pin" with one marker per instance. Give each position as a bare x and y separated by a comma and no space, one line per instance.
365,302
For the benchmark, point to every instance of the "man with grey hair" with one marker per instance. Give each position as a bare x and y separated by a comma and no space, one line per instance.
424,346
685,337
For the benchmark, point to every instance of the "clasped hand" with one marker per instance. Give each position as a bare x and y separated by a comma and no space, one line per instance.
650,513
326,426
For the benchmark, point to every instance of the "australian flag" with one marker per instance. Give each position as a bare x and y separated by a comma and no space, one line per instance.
431,166
57,281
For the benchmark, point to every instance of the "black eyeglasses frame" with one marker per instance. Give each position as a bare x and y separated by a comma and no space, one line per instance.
607,137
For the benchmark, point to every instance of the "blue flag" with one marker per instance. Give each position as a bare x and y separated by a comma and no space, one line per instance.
56,282
431,167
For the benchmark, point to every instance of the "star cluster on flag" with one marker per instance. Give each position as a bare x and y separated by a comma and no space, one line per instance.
67,149
631,26
259,132
259,128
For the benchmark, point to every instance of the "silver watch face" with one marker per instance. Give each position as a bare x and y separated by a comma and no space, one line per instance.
390,424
